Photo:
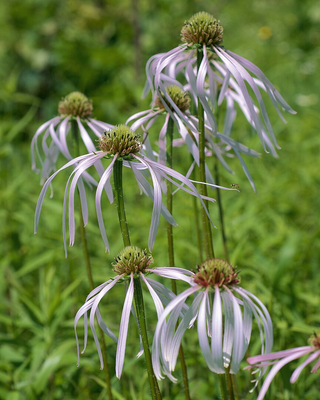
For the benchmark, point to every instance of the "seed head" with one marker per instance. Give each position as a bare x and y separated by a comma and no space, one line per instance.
201,29
75,104
180,98
131,260
120,140
216,271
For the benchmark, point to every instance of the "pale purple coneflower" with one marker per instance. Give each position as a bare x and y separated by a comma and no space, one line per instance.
188,128
132,263
161,108
232,94
203,34
282,358
119,143
223,311
74,107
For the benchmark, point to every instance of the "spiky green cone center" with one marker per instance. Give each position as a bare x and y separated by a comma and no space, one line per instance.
132,260
216,271
120,140
180,98
75,104
202,29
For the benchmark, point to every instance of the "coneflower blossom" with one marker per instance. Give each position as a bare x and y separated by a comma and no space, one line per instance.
162,108
218,67
188,128
132,263
74,107
119,144
284,357
223,311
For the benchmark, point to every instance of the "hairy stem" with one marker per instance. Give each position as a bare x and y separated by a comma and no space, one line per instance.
230,384
223,387
221,217
117,175
196,218
207,234
138,296
169,137
219,199
86,254
226,395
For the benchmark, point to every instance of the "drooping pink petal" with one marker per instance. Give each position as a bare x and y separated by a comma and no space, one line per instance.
124,324
298,370
216,339
104,178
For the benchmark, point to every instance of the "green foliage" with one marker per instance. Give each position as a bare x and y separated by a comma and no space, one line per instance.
48,49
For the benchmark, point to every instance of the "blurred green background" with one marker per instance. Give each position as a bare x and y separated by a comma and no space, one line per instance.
48,49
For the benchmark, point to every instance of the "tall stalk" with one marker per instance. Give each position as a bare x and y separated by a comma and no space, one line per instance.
221,217
207,234
169,137
75,133
138,295
219,199
117,177
227,394
196,217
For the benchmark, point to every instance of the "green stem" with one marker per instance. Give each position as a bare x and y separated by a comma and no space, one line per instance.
117,176
138,296
223,386
219,201
230,384
139,305
231,379
202,174
206,222
197,223
235,387
169,137
75,132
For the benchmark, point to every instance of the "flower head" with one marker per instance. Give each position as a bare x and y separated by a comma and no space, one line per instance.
223,311
132,260
120,140
216,271
75,104
202,29
118,144
132,263
212,80
284,357
180,98
75,108
187,126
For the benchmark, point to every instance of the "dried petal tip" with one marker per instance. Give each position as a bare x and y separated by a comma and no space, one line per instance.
75,104
315,340
131,260
216,271
202,29
120,140
180,98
